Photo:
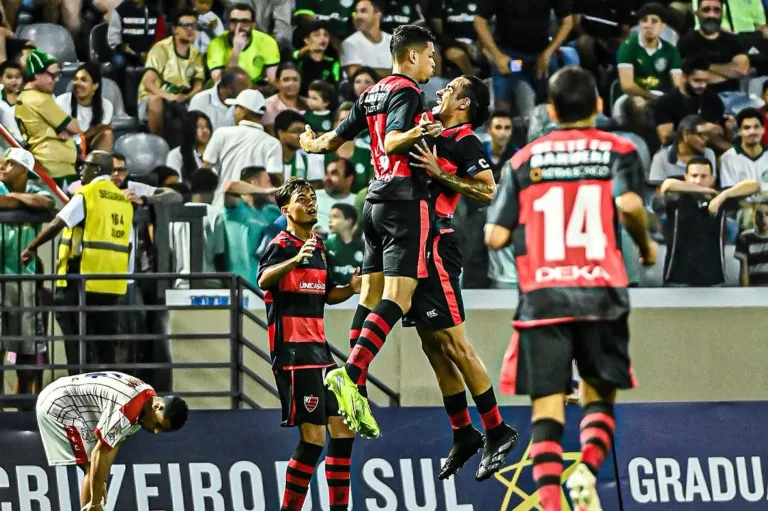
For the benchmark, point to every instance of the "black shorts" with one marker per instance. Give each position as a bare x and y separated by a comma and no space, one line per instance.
539,360
304,397
437,301
396,237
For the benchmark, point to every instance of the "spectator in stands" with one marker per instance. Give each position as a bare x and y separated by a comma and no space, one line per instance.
744,16
357,152
599,28
165,176
361,79
337,188
748,158
369,45
335,14
500,147
764,110
203,185
672,161
188,157
246,144
174,73
648,66
696,225
522,34
312,59
92,111
322,96
287,97
46,128
274,17
400,12
11,80
453,26
243,46
209,25
288,126
345,245
132,29
249,210
212,101
502,269
752,248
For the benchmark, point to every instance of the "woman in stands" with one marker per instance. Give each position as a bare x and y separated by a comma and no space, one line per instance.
86,104
360,80
188,157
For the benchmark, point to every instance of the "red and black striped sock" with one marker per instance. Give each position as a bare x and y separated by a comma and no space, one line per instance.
337,465
489,413
375,330
458,415
298,475
354,334
597,428
547,455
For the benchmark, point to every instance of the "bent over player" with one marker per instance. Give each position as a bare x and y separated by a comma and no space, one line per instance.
396,215
84,419
294,274
557,207
458,166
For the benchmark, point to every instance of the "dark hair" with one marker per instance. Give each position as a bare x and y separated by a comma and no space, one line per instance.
104,160
203,180
286,65
9,64
346,106
251,172
700,160
326,91
693,64
176,411
500,113
189,142
573,93
163,172
377,7
480,100
185,12
363,70
349,170
765,86
653,8
407,37
227,78
749,113
290,188
118,156
284,119
244,7
688,123
718,1
182,188
348,211
94,70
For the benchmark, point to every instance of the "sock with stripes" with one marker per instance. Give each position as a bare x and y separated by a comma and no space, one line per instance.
375,330
337,464
547,454
458,415
489,413
298,475
354,334
597,428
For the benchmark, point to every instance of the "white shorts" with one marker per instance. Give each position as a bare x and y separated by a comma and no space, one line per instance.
64,445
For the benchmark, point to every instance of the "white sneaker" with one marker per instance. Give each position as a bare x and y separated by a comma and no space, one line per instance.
581,488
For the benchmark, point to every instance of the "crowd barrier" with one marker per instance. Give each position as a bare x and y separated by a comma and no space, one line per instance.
702,456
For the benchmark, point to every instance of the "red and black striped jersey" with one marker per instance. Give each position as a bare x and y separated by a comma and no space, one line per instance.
393,104
558,201
295,306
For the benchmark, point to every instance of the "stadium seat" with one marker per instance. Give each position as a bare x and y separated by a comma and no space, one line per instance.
143,152
755,86
98,49
54,39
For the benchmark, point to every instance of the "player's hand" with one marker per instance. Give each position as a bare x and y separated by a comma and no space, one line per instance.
356,281
27,256
715,203
428,159
502,61
306,138
306,250
428,127
542,64
650,255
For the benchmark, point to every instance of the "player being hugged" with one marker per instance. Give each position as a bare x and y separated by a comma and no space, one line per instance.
293,273
560,206
84,419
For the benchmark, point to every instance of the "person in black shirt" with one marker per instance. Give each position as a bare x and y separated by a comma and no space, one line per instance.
399,12
293,272
600,26
312,59
453,23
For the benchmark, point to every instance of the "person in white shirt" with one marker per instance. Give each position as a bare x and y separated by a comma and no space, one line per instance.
337,187
233,148
747,160
86,104
211,101
369,45
188,157
209,25
84,420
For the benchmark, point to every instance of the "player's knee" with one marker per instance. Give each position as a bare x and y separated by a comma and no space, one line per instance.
155,103
457,348
313,434
338,429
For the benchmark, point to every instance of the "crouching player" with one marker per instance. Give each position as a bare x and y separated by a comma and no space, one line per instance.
293,272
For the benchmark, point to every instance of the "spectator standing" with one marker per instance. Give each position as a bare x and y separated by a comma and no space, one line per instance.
174,73
209,25
357,152
502,269
288,126
748,158
312,59
11,80
673,160
337,189
696,225
740,17
287,97
188,157
321,96
752,248
246,144
132,29
86,104
248,212
600,27
46,128
345,246
212,102
334,13
453,25
369,45
242,46
499,148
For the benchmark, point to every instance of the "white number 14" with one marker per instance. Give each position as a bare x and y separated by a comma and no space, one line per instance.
585,225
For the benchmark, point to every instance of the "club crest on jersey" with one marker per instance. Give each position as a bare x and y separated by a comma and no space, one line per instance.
310,403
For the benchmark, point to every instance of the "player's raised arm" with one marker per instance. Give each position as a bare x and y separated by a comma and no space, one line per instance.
329,142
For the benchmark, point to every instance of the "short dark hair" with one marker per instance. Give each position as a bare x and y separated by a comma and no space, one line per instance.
243,7
118,156
573,93
326,91
349,170
749,113
693,64
500,113
718,1
182,188
284,119
290,188
176,412
104,160
377,7
185,12
203,180
407,37
251,172
163,172
480,100
653,8
9,64
348,211
700,160
284,66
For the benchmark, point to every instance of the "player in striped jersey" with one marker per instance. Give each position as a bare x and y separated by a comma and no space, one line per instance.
83,420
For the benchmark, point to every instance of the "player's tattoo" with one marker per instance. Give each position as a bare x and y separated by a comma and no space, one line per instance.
472,188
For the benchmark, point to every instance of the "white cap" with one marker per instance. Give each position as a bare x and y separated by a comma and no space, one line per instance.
22,157
250,99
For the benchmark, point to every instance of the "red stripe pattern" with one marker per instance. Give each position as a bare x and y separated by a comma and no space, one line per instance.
596,437
303,329
547,470
460,419
421,270
445,283
297,479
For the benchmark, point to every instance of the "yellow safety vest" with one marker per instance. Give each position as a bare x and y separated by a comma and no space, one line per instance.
104,236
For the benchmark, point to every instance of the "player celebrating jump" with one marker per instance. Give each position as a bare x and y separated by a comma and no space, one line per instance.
396,216
83,420
293,272
458,166
557,206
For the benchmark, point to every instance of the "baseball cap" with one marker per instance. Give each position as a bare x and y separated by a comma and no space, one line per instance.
38,61
22,157
250,99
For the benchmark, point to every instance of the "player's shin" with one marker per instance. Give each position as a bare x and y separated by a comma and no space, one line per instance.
547,454
375,330
338,461
358,320
298,475
597,428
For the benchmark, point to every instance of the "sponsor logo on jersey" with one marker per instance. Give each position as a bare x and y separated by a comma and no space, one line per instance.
318,287
310,403
572,274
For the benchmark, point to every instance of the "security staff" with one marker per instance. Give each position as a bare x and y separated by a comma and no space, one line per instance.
96,229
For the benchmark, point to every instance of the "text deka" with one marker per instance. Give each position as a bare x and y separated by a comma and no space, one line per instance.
205,487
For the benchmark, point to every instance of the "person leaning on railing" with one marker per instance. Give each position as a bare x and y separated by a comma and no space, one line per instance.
96,229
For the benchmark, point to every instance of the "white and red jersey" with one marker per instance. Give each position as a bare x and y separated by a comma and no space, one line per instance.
106,405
